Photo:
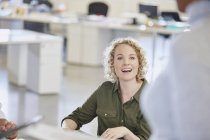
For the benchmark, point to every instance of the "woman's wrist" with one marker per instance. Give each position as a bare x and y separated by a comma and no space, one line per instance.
128,135
69,124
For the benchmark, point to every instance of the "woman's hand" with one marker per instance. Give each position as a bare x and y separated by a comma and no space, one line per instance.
115,133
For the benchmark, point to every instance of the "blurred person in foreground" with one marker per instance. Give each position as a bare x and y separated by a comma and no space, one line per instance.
116,101
6,125
177,103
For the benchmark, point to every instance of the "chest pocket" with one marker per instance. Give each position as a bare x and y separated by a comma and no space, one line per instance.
108,117
106,114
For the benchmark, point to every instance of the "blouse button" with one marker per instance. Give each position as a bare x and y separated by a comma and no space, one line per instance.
105,114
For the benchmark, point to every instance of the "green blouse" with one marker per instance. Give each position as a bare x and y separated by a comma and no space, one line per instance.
105,103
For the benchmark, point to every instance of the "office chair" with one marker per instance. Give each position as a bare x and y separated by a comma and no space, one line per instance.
169,16
98,8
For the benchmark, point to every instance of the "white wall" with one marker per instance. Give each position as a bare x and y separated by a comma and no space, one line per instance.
116,7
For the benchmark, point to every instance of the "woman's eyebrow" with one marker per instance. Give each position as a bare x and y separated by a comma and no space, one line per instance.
132,54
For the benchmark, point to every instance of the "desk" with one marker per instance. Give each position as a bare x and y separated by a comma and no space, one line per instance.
43,131
42,17
33,60
87,39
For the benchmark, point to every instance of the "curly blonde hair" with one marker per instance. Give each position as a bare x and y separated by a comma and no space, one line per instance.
109,58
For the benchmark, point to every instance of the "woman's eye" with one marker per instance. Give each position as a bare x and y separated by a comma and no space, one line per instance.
132,58
119,58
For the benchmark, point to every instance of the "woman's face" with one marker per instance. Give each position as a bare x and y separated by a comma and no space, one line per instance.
125,63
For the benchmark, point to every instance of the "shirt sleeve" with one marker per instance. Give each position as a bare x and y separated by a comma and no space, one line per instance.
190,94
85,113
144,135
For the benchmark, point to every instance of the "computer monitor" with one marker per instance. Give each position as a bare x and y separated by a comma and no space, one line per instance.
170,16
150,10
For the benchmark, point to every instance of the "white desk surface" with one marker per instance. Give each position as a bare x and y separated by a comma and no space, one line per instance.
56,133
101,22
120,24
8,36
41,17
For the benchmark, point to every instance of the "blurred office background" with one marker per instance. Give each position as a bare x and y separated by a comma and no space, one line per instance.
82,50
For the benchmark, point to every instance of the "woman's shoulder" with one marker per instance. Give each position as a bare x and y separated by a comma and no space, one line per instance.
107,85
105,91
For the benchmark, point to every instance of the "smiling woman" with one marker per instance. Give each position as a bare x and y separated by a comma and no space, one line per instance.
116,102
109,58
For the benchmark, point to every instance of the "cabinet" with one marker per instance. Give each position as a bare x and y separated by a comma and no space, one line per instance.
34,60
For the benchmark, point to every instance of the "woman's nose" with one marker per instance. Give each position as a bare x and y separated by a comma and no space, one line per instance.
126,61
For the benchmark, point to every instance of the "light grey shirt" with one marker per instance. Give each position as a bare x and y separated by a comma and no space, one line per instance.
1,113
177,105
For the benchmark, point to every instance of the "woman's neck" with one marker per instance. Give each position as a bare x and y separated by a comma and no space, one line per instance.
129,89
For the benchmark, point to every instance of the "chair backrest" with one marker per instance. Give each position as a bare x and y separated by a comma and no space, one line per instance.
170,15
98,8
150,10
